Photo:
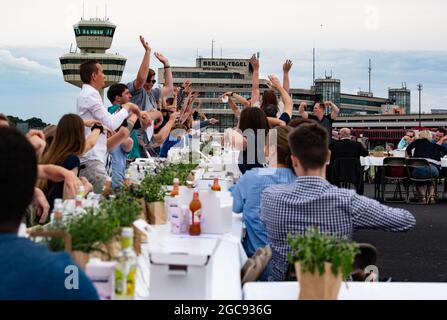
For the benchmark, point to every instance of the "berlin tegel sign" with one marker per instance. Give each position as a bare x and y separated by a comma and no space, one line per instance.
211,63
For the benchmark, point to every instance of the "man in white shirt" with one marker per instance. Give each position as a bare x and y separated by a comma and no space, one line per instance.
91,106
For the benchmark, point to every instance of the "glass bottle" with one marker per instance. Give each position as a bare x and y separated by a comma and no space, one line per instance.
125,274
216,186
175,188
195,208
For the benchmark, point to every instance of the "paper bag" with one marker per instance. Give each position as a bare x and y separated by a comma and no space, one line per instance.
314,286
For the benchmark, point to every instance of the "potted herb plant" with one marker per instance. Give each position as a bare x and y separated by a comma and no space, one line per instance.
321,262
378,151
154,194
90,232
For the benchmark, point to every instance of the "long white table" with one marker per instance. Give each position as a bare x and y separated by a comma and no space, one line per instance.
353,291
228,261
378,162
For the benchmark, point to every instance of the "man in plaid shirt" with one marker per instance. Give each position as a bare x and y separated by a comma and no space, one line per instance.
312,201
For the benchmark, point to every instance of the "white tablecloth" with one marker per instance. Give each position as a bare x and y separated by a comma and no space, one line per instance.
371,161
355,291
378,161
228,261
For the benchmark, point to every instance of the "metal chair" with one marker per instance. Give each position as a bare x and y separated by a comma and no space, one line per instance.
365,263
411,165
394,171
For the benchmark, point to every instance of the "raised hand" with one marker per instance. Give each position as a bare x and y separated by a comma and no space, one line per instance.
176,91
274,81
303,106
174,116
37,140
254,62
37,133
195,95
161,58
186,84
287,66
145,44
213,121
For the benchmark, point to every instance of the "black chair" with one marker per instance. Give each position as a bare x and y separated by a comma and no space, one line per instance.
367,257
394,171
416,163
348,172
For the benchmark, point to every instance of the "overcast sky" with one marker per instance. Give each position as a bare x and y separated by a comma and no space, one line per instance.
405,39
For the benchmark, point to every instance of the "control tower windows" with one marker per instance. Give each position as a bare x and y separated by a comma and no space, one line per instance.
94,31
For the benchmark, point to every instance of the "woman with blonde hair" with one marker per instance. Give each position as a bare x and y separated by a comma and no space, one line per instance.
425,149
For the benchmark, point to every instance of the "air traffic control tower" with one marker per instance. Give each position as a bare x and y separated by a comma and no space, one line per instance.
93,38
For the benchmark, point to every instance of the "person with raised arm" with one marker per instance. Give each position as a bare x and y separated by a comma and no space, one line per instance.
255,93
320,116
142,89
286,115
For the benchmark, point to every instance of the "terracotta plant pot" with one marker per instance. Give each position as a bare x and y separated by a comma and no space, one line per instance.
156,213
314,286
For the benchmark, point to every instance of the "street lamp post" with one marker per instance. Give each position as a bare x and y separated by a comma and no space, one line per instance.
420,87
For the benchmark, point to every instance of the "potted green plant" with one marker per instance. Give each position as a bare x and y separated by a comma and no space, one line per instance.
154,195
90,232
123,210
378,151
321,262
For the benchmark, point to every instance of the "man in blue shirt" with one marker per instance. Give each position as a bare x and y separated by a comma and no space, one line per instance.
27,270
406,140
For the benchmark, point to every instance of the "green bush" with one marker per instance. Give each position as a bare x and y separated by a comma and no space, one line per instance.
314,249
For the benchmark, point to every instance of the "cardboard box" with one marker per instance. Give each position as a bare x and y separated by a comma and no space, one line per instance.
181,268
217,210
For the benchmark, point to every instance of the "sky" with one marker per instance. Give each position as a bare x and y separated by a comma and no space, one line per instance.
404,39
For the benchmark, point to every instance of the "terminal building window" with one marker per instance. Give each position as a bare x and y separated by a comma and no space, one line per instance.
362,102
207,75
